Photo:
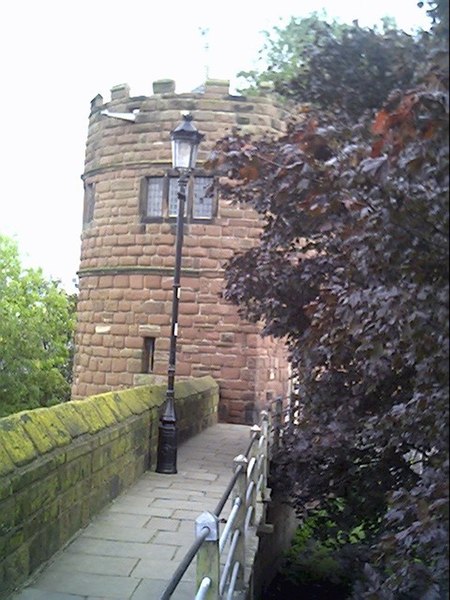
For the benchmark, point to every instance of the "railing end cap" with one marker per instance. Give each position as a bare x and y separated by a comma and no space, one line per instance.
207,520
240,459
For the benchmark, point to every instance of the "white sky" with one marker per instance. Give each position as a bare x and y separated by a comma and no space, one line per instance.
56,55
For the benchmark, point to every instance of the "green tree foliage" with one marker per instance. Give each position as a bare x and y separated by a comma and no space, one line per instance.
306,55
352,270
36,329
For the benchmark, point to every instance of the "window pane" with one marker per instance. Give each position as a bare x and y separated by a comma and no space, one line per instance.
155,196
203,205
173,198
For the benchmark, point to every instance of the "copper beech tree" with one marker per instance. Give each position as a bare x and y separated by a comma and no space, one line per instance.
352,271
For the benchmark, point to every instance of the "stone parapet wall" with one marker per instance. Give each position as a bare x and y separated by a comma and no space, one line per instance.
60,465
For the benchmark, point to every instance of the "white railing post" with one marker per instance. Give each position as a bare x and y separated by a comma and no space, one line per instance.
264,526
241,491
265,434
278,424
208,558
254,475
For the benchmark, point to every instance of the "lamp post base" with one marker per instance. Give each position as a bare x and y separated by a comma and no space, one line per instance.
167,448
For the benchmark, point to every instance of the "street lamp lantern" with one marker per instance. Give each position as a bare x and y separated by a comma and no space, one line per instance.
185,143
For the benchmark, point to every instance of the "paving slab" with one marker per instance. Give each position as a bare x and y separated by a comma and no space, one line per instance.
105,548
35,594
152,589
132,548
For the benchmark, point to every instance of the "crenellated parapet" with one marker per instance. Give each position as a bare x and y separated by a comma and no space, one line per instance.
215,111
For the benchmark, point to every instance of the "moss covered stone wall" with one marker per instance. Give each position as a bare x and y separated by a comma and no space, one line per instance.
60,465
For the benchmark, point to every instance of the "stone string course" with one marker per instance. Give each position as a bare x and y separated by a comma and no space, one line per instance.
126,268
60,465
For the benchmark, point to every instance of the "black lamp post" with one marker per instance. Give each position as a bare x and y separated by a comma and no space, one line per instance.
185,143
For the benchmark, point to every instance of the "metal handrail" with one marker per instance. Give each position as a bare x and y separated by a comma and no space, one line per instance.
232,482
227,492
184,565
251,472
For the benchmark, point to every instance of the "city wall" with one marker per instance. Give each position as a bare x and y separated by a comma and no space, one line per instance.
60,465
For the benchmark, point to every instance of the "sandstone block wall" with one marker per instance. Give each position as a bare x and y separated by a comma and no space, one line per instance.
60,465
126,267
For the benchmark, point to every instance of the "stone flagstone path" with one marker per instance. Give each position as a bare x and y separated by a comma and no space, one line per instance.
132,548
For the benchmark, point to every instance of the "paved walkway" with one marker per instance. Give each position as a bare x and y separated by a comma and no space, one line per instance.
132,548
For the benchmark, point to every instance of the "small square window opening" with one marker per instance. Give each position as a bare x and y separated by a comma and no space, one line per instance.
148,355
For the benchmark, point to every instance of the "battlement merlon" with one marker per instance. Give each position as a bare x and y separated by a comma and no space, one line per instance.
214,89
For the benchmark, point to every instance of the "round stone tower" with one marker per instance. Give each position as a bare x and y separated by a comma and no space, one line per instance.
128,247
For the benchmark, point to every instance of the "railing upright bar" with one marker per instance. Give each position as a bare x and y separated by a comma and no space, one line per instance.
253,438
240,520
259,487
228,562
233,580
269,429
203,589
265,468
249,517
277,423
208,556
253,475
230,523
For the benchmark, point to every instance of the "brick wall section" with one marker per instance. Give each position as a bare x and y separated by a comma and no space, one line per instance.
60,465
126,267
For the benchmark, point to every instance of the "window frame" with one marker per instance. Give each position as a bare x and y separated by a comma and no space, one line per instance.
165,216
